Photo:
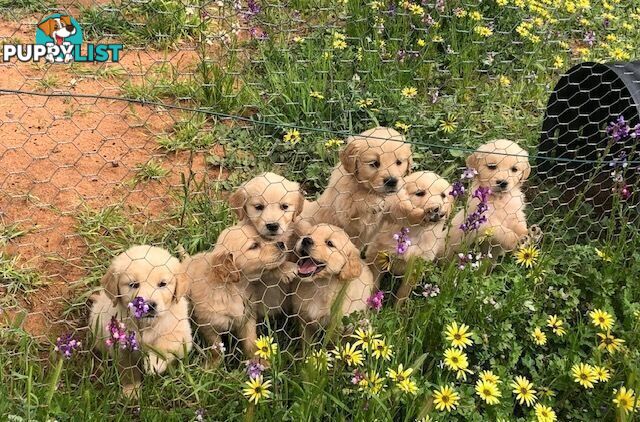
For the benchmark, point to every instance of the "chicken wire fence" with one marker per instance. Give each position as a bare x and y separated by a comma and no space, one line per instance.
97,157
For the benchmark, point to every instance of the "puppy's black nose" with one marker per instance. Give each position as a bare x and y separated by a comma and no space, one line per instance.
153,307
436,209
391,182
502,183
273,227
306,242
281,246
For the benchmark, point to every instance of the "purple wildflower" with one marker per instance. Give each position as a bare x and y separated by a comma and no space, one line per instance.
625,192
590,38
118,335
469,173
618,129
200,415
357,377
254,7
375,301
476,218
457,190
471,260
254,369
403,241
428,20
619,161
430,290
392,9
434,96
139,307
66,345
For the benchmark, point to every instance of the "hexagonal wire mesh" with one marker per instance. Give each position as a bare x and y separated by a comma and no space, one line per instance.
236,138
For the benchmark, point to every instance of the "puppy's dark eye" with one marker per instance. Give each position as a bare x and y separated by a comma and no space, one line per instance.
259,207
492,166
330,244
420,193
134,285
256,245
443,195
398,162
514,169
162,283
284,207
375,164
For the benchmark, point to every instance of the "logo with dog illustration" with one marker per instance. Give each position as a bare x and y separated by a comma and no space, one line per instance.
59,40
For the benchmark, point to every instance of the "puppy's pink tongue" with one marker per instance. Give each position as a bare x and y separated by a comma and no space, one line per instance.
307,266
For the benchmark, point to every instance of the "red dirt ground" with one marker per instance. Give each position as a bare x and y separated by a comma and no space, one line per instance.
59,154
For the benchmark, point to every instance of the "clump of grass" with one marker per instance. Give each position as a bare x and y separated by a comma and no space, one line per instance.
47,83
15,9
190,134
151,170
16,279
99,72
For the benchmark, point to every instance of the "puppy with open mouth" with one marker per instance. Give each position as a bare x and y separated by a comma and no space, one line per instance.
329,268
144,290
372,167
502,167
415,227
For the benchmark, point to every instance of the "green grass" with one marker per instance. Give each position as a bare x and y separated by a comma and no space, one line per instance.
149,171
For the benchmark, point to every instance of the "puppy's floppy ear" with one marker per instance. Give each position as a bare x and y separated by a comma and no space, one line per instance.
110,284
526,171
223,268
182,286
299,204
473,161
237,202
350,154
353,268
66,20
48,26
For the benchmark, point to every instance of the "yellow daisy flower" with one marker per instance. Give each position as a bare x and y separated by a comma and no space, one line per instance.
292,136
489,376
504,81
364,102
402,126
382,350
488,392
320,359
603,255
545,413
364,338
339,41
584,375
350,355
372,383
602,373
483,31
527,256
266,347
455,359
601,319
421,42
400,374
558,62
257,389
316,94
408,386
539,337
446,398
459,336
409,92
334,143
438,39
524,391
556,325
609,343
475,15
624,399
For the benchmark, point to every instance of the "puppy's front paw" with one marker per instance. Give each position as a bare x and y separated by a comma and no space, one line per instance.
289,271
154,364
535,233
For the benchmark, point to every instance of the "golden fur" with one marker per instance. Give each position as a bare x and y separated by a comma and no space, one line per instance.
153,274
221,283
329,263
502,166
423,206
372,166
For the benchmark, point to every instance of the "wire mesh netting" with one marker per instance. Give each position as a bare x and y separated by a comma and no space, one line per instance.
319,210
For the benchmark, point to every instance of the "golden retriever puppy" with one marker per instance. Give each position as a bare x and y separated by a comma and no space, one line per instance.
328,264
502,166
270,203
415,227
372,167
221,282
151,277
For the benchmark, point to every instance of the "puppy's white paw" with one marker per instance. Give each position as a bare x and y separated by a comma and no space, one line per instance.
154,364
289,271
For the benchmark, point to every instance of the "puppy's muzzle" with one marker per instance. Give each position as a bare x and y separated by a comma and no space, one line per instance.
502,185
273,228
435,214
307,266
390,184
